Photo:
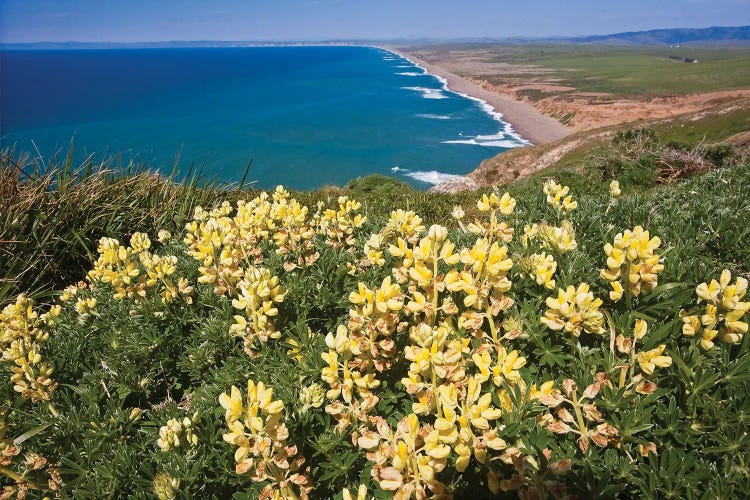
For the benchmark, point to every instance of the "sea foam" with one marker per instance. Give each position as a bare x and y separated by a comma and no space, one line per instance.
501,140
428,93
508,131
428,176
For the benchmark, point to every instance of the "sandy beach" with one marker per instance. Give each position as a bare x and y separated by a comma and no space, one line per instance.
524,117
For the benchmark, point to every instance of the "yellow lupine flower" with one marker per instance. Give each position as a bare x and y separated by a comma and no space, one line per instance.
614,189
166,486
140,242
22,332
311,396
649,360
541,267
632,264
257,295
559,239
373,250
339,225
387,297
361,493
557,196
488,202
177,433
505,204
574,310
132,271
506,369
639,330
724,312
405,225
485,275
257,429
547,394
409,461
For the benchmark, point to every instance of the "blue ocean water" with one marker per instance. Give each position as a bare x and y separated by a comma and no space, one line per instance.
305,116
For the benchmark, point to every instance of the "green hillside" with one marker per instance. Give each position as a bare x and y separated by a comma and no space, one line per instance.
558,336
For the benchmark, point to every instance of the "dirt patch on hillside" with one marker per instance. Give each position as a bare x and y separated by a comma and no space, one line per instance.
522,162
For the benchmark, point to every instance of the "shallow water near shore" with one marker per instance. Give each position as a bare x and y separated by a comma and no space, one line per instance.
305,116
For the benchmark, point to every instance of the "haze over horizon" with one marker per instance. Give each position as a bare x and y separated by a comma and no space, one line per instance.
313,20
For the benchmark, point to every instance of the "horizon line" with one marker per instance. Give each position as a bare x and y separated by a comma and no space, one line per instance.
368,39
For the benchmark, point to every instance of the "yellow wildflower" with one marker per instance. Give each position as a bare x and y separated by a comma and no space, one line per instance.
560,239
339,225
373,250
458,212
557,196
724,312
166,486
311,396
403,224
163,236
22,333
493,229
258,294
649,360
541,267
257,429
574,310
409,460
361,493
614,189
177,433
632,264
505,204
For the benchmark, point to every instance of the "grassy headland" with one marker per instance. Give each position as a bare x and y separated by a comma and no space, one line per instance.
597,91
621,72
131,384
53,213
628,71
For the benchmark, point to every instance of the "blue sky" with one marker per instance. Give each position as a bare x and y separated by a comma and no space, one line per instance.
275,20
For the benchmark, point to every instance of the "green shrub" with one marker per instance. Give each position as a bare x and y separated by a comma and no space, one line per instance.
720,154
52,213
354,336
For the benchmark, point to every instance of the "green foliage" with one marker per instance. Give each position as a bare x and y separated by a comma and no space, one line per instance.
627,70
638,159
131,365
53,212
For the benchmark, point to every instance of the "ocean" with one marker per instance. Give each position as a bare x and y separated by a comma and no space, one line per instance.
305,116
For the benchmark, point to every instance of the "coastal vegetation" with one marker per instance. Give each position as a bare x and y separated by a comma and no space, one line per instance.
726,122
621,71
578,332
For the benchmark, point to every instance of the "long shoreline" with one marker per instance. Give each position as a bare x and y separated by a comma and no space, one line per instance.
523,117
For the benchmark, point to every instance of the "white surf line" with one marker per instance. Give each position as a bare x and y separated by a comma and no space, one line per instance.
484,105
433,177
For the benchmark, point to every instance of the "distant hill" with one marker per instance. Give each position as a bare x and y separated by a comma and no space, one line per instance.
715,34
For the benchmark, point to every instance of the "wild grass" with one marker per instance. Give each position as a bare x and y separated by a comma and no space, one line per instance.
127,366
52,212
632,71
